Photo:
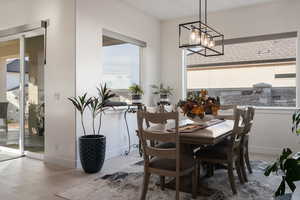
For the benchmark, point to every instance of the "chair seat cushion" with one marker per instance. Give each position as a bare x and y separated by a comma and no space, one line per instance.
187,162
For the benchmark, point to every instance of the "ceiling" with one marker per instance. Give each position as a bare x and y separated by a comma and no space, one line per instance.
245,52
168,9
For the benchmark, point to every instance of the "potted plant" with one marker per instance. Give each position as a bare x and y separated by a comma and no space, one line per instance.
41,119
287,165
163,92
36,118
92,147
136,93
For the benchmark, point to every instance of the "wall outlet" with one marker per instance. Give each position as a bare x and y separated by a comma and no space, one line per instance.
57,96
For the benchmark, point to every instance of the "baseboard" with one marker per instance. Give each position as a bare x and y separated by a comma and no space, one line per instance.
265,150
37,156
62,162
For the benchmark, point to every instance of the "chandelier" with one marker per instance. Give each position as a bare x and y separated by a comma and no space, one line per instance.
197,37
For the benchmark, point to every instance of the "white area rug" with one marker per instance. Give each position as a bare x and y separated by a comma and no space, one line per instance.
126,185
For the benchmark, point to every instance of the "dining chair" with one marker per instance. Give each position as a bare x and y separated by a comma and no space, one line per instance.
164,162
248,123
3,115
226,112
227,152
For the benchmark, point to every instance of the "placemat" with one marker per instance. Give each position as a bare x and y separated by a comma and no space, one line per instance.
189,128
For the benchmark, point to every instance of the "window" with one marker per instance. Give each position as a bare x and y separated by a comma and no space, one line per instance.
121,65
259,73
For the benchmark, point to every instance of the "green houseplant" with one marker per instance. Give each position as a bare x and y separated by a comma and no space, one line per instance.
136,93
163,92
92,147
36,118
287,165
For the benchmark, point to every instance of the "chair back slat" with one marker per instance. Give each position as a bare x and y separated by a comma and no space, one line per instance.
229,110
158,118
161,153
238,128
249,119
157,136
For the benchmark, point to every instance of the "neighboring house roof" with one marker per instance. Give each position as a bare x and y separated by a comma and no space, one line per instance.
17,88
14,66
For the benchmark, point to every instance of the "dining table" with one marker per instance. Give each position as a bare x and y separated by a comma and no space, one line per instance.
211,133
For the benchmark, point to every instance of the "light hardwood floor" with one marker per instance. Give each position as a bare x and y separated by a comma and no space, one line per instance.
28,179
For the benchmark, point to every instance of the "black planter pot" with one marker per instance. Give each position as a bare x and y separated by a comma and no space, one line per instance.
164,98
136,98
92,152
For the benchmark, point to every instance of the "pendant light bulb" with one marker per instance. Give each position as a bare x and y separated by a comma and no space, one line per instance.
212,43
205,41
193,36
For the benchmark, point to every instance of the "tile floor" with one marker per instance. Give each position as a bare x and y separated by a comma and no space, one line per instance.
28,179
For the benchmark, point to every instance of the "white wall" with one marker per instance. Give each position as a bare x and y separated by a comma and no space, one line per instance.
275,17
114,15
272,132
2,80
59,71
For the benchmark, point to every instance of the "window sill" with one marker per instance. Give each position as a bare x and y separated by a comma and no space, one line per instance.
276,108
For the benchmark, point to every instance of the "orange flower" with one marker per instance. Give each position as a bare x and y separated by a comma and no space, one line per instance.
199,110
215,110
203,93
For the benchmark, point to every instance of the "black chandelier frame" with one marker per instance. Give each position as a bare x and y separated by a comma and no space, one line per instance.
203,29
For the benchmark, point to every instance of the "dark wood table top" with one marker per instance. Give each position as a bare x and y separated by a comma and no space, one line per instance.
207,136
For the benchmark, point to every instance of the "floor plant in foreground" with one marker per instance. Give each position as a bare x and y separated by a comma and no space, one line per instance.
287,165
92,147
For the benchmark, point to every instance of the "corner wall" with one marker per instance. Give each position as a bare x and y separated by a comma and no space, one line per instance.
116,16
59,71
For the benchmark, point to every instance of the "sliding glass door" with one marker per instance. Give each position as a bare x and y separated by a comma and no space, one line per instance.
22,59
10,93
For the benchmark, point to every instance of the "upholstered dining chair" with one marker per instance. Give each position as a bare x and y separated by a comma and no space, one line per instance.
248,123
227,152
164,162
3,115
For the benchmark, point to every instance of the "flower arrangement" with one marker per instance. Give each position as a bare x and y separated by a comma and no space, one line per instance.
199,104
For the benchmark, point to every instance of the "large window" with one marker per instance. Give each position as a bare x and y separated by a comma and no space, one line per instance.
261,73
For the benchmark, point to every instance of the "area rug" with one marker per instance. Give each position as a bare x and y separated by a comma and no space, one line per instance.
127,186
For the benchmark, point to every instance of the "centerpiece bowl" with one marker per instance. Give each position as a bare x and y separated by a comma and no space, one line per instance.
203,120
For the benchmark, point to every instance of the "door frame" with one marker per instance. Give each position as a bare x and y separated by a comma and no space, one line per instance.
22,32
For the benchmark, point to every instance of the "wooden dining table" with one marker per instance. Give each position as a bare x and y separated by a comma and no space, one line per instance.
209,135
